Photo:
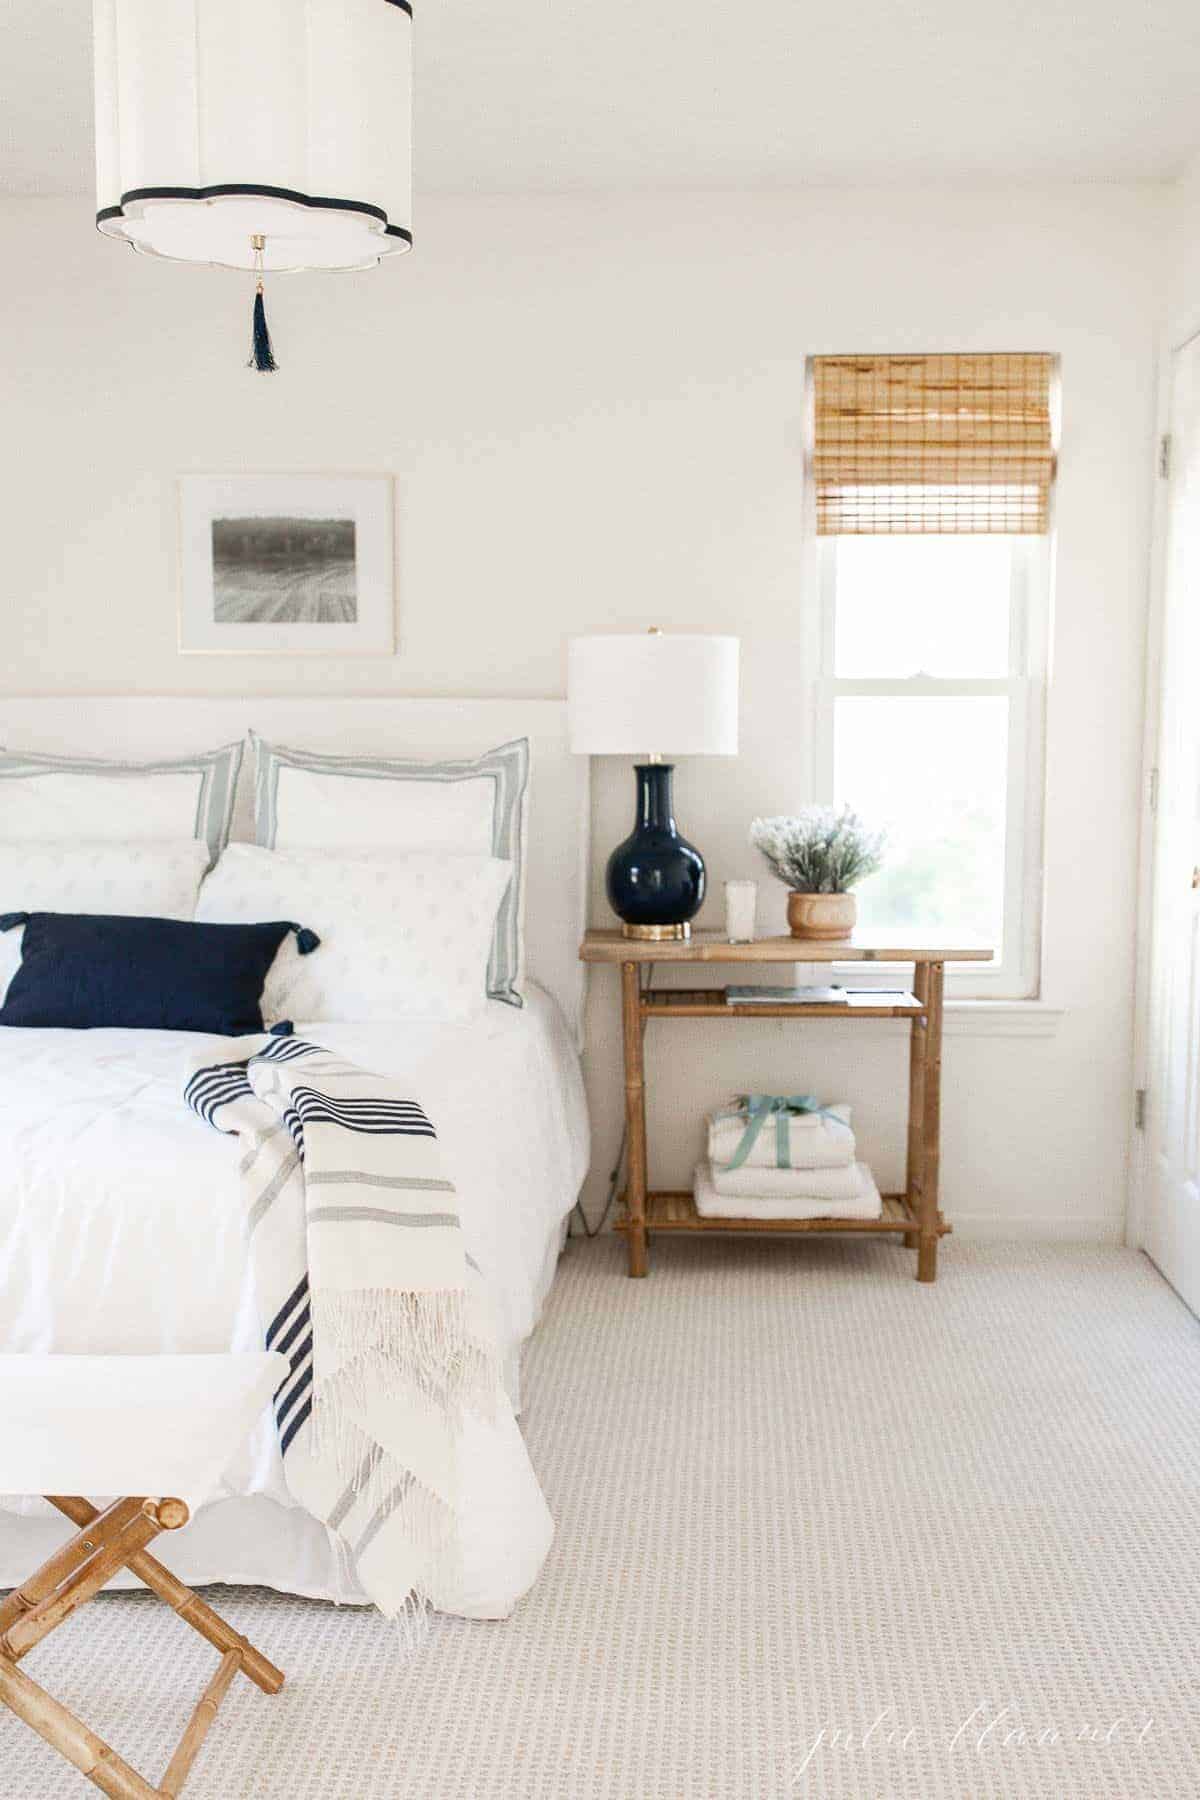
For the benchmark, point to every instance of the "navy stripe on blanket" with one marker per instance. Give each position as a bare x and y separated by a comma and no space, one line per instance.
295,1383
300,1385
301,1418
401,1118
211,1088
293,1331
298,1297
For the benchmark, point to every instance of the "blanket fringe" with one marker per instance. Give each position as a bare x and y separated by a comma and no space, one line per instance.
380,1354
434,1344
389,1494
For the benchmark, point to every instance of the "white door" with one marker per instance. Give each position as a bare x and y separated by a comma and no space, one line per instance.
1173,1101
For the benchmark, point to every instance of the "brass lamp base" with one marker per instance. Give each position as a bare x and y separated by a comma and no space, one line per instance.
658,934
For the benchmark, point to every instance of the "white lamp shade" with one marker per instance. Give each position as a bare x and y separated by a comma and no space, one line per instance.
653,693
217,120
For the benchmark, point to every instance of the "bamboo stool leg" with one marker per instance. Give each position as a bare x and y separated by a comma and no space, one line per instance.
191,1608
70,1736
198,1725
115,1545
55,1570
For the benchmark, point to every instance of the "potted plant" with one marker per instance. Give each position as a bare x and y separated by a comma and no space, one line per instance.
819,854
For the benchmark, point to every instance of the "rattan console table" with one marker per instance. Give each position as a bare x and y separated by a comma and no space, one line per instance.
914,1213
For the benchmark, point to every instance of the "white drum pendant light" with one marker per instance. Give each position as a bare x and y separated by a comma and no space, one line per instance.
266,135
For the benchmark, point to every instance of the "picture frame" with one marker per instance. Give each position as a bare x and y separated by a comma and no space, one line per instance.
286,565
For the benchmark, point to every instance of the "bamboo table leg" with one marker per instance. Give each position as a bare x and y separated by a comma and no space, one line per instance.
918,1045
635,1116
931,1127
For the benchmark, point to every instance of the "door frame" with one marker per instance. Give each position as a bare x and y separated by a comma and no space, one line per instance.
1139,1160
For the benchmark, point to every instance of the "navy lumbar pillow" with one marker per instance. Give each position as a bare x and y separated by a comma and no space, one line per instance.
83,971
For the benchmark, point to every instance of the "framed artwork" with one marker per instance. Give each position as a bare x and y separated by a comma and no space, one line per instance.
289,565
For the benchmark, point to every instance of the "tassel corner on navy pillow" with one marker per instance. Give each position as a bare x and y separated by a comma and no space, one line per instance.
306,941
10,921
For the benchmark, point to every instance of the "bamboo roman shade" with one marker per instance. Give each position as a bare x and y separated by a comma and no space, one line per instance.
923,444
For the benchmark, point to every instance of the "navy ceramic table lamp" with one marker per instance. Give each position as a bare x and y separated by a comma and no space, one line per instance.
662,695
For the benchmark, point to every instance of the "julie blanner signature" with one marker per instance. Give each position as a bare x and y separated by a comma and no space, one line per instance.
985,1731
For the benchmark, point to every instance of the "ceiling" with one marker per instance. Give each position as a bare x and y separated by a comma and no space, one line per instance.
572,94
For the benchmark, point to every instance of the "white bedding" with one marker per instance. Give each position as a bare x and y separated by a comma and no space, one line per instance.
121,1231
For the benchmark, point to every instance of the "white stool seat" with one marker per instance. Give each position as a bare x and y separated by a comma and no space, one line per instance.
151,1425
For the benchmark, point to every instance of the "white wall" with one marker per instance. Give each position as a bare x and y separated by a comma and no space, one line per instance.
593,410
1183,256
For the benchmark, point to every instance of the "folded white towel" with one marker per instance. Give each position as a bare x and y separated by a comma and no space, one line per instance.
711,1205
789,1184
814,1141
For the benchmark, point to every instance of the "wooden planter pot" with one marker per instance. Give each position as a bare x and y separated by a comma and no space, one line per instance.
821,916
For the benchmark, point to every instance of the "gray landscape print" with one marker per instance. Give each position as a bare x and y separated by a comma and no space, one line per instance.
279,571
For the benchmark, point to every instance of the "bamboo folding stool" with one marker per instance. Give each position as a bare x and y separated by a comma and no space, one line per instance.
152,1429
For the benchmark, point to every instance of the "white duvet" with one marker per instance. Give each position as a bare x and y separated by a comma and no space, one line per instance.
121,1231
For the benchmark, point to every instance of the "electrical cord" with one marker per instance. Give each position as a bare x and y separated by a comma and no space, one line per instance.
614,1174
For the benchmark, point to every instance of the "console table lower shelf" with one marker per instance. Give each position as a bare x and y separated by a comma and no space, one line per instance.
669,1209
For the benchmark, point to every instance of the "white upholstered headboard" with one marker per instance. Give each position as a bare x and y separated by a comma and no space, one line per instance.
556,904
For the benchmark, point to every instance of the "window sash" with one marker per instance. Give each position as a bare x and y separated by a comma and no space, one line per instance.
1017,974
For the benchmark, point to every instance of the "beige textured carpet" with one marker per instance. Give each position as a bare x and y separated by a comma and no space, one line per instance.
955,1530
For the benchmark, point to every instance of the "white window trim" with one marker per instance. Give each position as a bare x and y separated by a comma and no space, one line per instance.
1018,977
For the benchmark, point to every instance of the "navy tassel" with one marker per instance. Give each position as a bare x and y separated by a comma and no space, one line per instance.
10,921
262,357
306,941
283,1028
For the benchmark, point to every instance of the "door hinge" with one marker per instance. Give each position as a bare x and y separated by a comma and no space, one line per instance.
1154,790
1164,457
1139,1110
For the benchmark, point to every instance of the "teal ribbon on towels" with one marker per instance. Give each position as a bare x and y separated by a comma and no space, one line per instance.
758,1108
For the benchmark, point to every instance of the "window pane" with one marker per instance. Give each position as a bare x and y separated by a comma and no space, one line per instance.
933,773
923,605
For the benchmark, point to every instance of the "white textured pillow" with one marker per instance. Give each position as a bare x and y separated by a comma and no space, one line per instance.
402,937
146,881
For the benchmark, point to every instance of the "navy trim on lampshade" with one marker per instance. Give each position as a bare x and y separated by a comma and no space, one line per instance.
92,971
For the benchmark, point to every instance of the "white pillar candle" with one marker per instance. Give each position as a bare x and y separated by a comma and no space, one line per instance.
741,902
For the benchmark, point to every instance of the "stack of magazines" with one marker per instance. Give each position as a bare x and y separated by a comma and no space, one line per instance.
785,996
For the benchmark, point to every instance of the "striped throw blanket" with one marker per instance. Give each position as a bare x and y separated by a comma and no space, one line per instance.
365,1285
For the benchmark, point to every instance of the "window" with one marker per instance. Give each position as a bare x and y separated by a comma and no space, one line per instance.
931,651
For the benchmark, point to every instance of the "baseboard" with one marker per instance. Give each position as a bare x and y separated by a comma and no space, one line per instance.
1017,1228
1032,1228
